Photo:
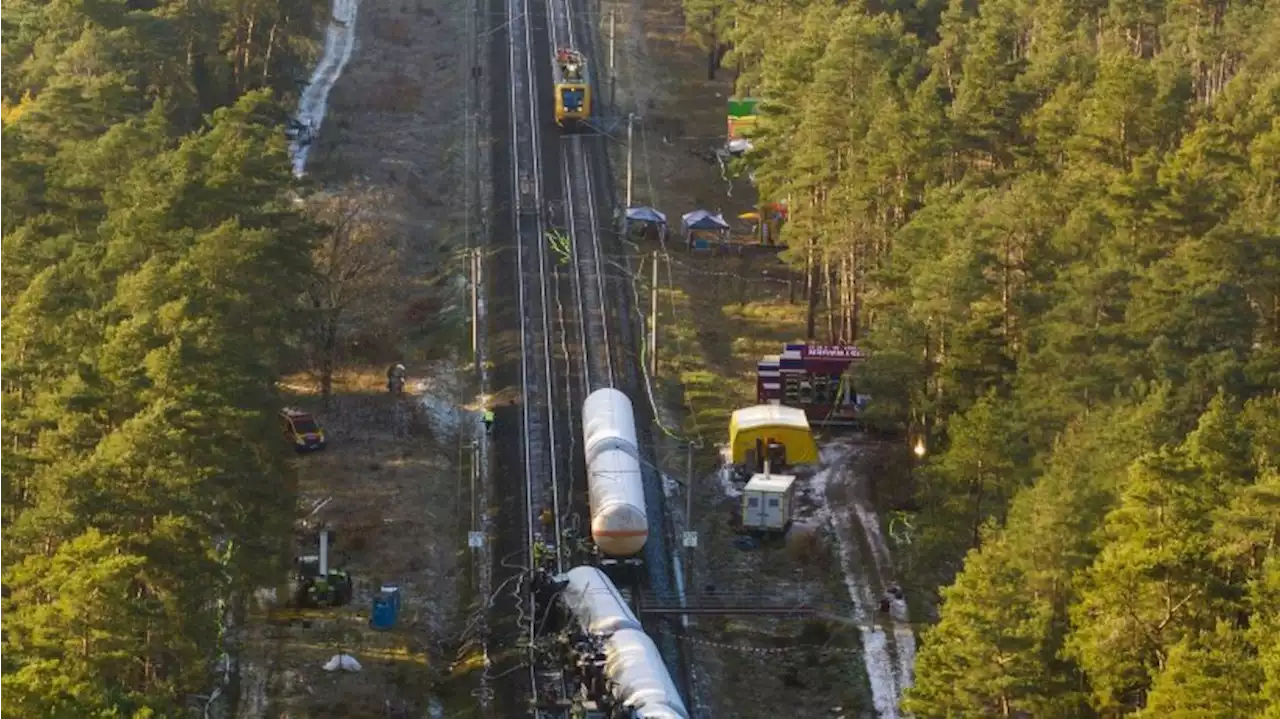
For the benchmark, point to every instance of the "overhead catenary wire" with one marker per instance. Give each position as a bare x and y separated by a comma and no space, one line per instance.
644,348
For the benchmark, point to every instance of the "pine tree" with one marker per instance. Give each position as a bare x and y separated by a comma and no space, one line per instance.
1213,674
986,657
1151,586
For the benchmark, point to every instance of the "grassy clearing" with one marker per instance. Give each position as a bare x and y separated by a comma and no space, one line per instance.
710,340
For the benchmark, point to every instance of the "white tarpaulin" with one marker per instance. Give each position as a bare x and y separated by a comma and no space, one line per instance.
345,662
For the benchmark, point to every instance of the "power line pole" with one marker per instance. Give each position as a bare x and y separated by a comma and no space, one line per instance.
475,307
653,320
613,73
688,494
688,513
630,120
475,472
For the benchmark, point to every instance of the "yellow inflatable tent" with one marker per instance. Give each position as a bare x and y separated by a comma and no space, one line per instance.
753,429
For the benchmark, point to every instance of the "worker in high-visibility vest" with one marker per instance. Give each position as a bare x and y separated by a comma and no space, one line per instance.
487,418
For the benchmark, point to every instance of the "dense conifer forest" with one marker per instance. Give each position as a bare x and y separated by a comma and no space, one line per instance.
152,260
1057,226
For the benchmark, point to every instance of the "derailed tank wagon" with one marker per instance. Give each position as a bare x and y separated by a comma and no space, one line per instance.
611,650
615,485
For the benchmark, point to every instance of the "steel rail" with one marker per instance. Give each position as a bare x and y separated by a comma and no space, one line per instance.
526,181
587,256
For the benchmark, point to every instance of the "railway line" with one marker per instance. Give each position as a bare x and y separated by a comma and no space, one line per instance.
528,478
585,162
584,169
549,396
588,267
563,312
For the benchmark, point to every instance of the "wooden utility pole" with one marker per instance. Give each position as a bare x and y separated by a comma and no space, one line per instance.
630,120
653,320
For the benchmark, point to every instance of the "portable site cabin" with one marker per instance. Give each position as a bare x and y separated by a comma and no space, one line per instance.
767,502
773,432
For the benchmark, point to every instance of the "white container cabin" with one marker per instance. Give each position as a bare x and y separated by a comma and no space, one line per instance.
767,502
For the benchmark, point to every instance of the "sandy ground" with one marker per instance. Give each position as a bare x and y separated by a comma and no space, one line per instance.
396,471
396,119
393,501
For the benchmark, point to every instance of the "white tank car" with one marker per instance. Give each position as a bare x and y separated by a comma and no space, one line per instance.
640,678
632,663
608,422
614,483
595,602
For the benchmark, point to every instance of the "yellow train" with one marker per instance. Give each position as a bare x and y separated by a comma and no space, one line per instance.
573,91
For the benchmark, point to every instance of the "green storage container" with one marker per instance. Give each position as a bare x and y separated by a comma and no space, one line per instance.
742,106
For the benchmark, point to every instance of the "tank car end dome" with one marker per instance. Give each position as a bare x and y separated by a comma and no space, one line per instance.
620,530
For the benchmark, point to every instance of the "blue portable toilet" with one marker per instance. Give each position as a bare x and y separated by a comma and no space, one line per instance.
386,608
392,592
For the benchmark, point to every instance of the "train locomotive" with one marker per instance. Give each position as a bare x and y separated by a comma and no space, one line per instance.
572,91
613,658
619,524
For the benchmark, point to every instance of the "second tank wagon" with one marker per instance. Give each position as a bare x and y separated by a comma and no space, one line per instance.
615,485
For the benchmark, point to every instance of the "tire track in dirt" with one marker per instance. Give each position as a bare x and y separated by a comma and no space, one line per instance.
339,40
889,646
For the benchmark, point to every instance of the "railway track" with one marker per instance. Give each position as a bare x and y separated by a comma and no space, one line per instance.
541,424
588,267
583,160
566,345
588,349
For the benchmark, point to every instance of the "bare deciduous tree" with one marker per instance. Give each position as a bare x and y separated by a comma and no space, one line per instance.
355,273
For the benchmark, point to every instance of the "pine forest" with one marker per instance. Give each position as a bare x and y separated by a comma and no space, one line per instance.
1057,227
151,266
1054,225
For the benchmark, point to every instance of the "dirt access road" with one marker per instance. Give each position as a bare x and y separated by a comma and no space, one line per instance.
396,473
